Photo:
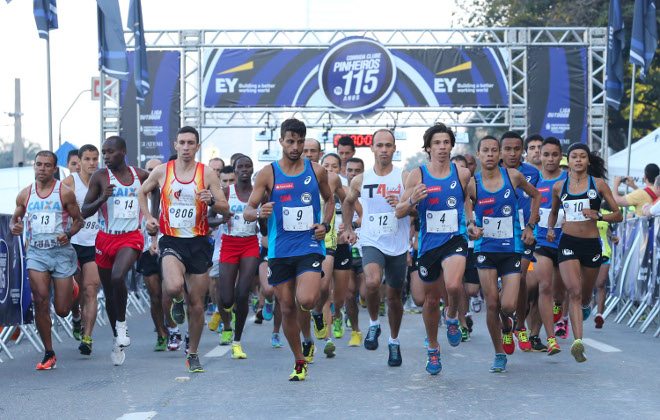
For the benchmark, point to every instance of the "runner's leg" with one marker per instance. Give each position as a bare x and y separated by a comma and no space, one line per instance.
40,286
197,285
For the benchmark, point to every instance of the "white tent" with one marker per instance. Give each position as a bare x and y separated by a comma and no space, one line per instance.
644,151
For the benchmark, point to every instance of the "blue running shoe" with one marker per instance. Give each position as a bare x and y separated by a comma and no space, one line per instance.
395,355
275,341
499,364
371,340
426,342
586,311
267,311
433,365
453,332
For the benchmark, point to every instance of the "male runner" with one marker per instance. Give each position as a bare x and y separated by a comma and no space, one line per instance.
499,239
354,167
437,192
346,151
297,226
187,189
84,243
113,194
384,239
73,161
227,176
48,208
511,145
533,145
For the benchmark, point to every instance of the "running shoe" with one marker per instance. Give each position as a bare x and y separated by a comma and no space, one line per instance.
523,340
117,355
347,321
337,328
77,329
173,341
214,322
394,358
275,341
267,310
308,351
371,340
237,351
85,346
320,328
586,311
193,364
465,335
475,304
49,361
123,340
560,329
537,344
556,312
356,339
566,330
362,301
329,349
599,320
161,344
178,311
433,364
254,302
186,341
426,343
507,342
299,371
226,337
577,350
553,347
469,322
381,309
499,364
259,317
453,332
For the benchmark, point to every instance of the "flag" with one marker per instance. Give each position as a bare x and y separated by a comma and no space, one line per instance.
113,60
644,36
140,71
615,41
45,15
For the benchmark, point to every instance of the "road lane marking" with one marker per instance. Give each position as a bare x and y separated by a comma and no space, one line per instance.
605,348
143,415
218,351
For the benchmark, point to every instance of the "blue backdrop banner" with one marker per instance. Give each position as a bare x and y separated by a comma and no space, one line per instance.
15,293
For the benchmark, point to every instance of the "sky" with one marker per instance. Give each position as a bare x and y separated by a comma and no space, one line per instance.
74,51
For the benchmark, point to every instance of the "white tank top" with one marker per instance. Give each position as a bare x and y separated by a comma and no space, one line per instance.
380,227
86,236
121,213
237,226
45,217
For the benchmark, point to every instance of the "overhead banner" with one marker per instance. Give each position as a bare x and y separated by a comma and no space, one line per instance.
355,75
557,93
160,117
15,293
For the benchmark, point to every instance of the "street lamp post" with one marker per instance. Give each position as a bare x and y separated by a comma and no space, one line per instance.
59,137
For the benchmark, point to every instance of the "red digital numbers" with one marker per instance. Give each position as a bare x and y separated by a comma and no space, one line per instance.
360,140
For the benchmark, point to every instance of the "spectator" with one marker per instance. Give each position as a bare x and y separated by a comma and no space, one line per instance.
227,176
653,210
640,196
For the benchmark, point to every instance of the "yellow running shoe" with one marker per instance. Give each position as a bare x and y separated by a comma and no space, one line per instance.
237,351
214,323
299,371
320,327
226,337
356,339
577,350
308,351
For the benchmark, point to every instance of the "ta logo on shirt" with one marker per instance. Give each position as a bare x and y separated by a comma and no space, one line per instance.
307,180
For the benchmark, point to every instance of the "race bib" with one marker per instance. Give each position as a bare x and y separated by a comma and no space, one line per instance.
573,209
297,219
241,227
442,221
382,223
43,222
498,227
182,216
125,207
91,224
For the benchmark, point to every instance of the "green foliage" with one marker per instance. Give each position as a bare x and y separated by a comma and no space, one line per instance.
416,160
7,153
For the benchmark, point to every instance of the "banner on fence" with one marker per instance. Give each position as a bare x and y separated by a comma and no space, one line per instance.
15,294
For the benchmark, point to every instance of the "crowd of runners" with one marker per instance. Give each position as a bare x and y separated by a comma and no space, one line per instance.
313,237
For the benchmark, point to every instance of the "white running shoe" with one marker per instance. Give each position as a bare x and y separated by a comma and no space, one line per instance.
117,355
122,340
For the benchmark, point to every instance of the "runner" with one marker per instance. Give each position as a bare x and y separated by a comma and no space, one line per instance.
239,255
48,208
511,144
73,161
384,239
580,250
533,145
112,193
499,239
83,242
294,188
187,189
546,268
346,151
354,167
437,193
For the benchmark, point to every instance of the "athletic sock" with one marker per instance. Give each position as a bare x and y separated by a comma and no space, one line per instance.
373,323
393,341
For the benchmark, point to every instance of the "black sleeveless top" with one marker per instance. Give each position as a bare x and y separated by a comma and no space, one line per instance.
573,204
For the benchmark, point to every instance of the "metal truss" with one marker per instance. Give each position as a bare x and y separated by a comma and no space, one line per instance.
192,43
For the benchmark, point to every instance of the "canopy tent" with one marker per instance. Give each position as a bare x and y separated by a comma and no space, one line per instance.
644,151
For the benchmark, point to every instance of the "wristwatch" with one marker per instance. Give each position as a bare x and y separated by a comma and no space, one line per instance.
212,202
327,226
532,226
600,216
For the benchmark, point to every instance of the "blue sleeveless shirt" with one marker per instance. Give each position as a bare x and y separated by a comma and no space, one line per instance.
545,188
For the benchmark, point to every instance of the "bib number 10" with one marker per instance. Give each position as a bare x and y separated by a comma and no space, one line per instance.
365,82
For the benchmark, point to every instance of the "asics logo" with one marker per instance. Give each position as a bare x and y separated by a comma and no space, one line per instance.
596,258
316,264
344,262
307,180
517,264
459,249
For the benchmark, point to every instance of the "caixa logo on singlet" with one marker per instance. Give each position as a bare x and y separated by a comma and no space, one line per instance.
357,74
4,271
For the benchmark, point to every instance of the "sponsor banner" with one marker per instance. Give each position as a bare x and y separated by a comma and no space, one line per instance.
557,93
355,75
15,293
160,116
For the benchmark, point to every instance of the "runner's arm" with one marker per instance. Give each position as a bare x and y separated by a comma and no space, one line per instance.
258,196
554,211
71,207
348,206
413,192
16,222
220,205
97,194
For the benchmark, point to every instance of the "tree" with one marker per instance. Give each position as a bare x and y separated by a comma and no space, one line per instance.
7,153
584,13
416,160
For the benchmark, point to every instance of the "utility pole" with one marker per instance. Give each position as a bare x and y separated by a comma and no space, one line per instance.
19,147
